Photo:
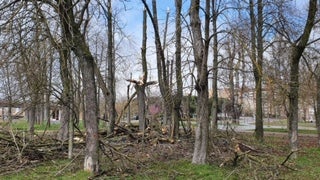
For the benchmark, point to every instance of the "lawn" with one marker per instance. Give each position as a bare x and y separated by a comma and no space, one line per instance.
284,130
283,123
22,125
55,169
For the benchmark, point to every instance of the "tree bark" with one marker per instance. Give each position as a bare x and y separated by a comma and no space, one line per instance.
200,55
257,46
48,92
140,88
231,55
128,100
91,161
258,74
214,108
317,109
8,93
111,70
87,66
141,106
64,60
297,49
179,94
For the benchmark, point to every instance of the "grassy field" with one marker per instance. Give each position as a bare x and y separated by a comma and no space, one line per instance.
22,125
283,122
284,130
307,165
164,170
58,169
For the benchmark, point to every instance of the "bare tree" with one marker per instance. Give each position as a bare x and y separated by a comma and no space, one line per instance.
179,93
214,109
65,73
257,59
141,84
231,51
71,28
317,108
297,48
111,68
200,50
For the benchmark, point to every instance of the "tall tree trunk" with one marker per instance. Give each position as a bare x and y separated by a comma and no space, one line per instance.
71,129
31,120
111,70
214,108
258,77
48,91
256,45
129,106
91,160
64,60
317,109
200,55
141,106
141,88
297,49
87,66
8,93
162,68
168,114
231,54
32,114
179,94
243,75
294,101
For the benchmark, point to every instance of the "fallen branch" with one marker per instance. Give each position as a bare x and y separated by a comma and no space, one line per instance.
288,157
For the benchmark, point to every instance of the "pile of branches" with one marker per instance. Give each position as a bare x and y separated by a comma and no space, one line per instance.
242,154
18,151
128,150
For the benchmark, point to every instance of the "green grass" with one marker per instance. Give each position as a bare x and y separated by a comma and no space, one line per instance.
23,125
59,169
307,166
162,170
282,130
283,122
182,169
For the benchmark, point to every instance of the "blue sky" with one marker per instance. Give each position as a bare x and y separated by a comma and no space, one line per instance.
131,17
